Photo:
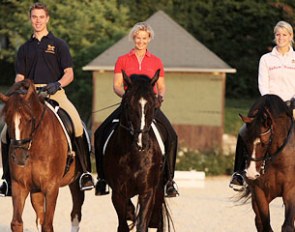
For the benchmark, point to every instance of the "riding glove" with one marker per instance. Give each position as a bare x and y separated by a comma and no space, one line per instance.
52,88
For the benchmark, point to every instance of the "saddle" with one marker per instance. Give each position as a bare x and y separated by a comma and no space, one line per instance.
68,127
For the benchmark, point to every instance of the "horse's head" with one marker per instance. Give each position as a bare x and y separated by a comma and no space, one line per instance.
138,107
266,125
21,111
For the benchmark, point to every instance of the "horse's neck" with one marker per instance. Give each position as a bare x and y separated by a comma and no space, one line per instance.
282,129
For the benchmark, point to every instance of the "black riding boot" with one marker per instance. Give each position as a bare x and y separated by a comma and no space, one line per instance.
86,181
5,188
101,187
170,188
237,181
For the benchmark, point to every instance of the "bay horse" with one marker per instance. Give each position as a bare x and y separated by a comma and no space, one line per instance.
133,161
270,168
37,157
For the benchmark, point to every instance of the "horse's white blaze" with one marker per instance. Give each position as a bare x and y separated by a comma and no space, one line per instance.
251,171
142,102
75,224
17,123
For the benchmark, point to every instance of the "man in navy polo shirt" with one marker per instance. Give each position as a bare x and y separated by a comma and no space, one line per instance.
46,60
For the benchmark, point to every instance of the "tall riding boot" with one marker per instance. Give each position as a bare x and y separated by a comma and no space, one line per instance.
101,187
170,190
5,188
237,181
83,153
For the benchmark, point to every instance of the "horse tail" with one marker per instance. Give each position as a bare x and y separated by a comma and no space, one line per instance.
244,196
166,213
161,216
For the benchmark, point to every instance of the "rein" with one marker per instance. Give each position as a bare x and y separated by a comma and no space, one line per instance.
105,108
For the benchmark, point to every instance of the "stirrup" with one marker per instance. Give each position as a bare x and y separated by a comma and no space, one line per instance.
173,185
235,184
89,187
101,188
7,189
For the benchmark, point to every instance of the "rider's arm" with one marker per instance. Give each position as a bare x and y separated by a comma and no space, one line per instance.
67,78
161,86
19,77
263,77
118,84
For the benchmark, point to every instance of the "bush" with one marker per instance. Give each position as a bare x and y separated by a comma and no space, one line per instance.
212,163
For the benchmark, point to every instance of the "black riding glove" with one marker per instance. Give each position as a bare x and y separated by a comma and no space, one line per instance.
52,88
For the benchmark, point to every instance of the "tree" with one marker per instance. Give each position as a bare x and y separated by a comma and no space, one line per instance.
237,31
88,27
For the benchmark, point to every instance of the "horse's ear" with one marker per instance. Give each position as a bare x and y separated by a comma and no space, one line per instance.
155,77
126,79
246,119
30,87
3,97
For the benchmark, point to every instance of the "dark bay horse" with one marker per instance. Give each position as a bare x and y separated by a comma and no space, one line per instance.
270,171
133,161
37,157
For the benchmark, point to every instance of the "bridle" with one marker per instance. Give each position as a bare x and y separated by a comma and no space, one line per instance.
26,143
268,156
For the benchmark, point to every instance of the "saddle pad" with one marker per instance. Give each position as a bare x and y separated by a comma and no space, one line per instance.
155,129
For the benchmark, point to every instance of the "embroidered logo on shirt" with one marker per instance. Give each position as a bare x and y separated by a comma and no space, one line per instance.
50,49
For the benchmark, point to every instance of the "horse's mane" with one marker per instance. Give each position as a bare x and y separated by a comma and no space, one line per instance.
266,106
273,103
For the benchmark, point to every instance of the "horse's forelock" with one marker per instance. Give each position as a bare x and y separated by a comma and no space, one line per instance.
18,98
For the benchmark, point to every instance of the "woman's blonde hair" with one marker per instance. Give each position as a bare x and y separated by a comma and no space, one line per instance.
287,27
141,26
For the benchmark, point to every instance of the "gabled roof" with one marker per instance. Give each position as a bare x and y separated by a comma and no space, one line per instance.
178,49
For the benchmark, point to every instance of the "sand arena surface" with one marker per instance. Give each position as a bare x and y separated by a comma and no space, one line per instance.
201,207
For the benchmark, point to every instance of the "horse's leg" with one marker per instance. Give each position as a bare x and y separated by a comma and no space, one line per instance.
157,214
130,211
120,205
78,200
50,204
146,203
289,202
260,206
37,200
19,195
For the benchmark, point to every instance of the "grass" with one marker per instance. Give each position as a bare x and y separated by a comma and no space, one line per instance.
232,120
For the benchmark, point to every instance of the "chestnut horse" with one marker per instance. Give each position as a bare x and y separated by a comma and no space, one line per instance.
37,157
270,171
133,161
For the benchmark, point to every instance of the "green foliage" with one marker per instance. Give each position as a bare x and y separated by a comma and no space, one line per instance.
237,31
89,27
212,163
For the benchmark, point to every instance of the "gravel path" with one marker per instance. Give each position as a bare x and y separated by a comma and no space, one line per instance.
204,206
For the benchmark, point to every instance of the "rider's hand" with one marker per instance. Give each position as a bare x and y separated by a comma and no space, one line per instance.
52,88
159,101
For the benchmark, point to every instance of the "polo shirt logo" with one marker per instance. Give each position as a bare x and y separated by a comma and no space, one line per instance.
50,49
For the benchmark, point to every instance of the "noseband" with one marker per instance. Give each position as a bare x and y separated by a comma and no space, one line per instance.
26,143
